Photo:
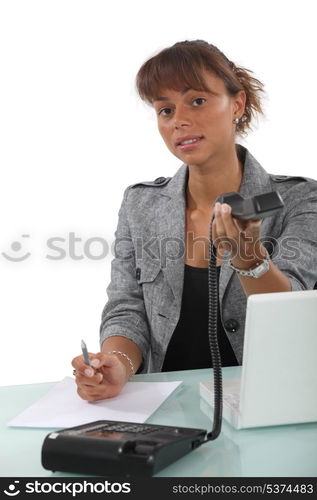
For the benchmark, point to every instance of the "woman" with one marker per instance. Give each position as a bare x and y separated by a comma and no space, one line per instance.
156,315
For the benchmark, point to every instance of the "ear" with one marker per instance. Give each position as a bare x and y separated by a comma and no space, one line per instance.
239,101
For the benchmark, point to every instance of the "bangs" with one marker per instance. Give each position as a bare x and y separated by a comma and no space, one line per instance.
173,69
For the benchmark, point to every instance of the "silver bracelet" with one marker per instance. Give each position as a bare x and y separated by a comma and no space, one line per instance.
257,271
126,357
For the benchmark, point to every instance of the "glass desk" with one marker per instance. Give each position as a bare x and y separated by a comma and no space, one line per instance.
281,451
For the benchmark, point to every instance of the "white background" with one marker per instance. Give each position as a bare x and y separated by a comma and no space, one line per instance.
74,135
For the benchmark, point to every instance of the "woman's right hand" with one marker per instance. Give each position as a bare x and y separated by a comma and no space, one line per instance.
104,379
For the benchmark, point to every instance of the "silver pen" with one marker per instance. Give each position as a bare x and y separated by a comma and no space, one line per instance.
85,353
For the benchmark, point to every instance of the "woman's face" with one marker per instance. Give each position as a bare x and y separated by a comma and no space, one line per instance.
205,119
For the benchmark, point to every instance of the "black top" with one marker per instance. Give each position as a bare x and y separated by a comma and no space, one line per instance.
189,346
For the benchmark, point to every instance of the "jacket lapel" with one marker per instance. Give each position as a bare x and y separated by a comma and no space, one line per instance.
170,220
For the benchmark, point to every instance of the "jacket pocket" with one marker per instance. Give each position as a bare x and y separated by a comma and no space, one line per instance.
147,273
157,294
148,277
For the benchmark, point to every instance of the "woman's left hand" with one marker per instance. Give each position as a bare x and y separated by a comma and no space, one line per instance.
241,238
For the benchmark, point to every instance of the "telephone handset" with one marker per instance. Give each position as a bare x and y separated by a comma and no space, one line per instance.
256,207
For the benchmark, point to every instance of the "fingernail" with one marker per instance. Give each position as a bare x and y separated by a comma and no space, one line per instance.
224,208
88,372
95,363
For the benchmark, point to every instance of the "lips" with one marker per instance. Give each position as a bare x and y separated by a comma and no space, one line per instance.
188,139
188,143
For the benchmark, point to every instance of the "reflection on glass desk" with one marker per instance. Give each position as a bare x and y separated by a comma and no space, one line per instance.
279,451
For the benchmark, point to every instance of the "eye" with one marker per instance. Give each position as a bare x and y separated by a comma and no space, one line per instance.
199,101
165,111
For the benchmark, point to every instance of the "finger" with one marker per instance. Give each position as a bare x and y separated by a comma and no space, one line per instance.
253,229
97,393
223,241
230,227
254,224
102,360
240,224
89,381
80,366
218,224
76,362
87,393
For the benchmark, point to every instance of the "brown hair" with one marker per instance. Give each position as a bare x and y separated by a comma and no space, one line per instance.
182,64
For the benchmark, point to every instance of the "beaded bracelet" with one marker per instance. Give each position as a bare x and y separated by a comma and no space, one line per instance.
126,357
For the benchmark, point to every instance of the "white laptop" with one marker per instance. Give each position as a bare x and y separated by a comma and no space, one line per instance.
278,383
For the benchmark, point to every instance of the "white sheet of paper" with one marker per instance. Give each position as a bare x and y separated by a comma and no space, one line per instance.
62,407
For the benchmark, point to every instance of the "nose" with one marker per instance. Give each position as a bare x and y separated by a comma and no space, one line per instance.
181,117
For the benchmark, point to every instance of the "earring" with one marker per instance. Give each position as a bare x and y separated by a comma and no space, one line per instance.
236,121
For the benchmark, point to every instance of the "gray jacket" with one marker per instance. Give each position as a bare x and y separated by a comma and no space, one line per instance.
145,292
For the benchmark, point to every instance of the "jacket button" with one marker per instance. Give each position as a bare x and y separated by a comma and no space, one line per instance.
232,325
159,180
